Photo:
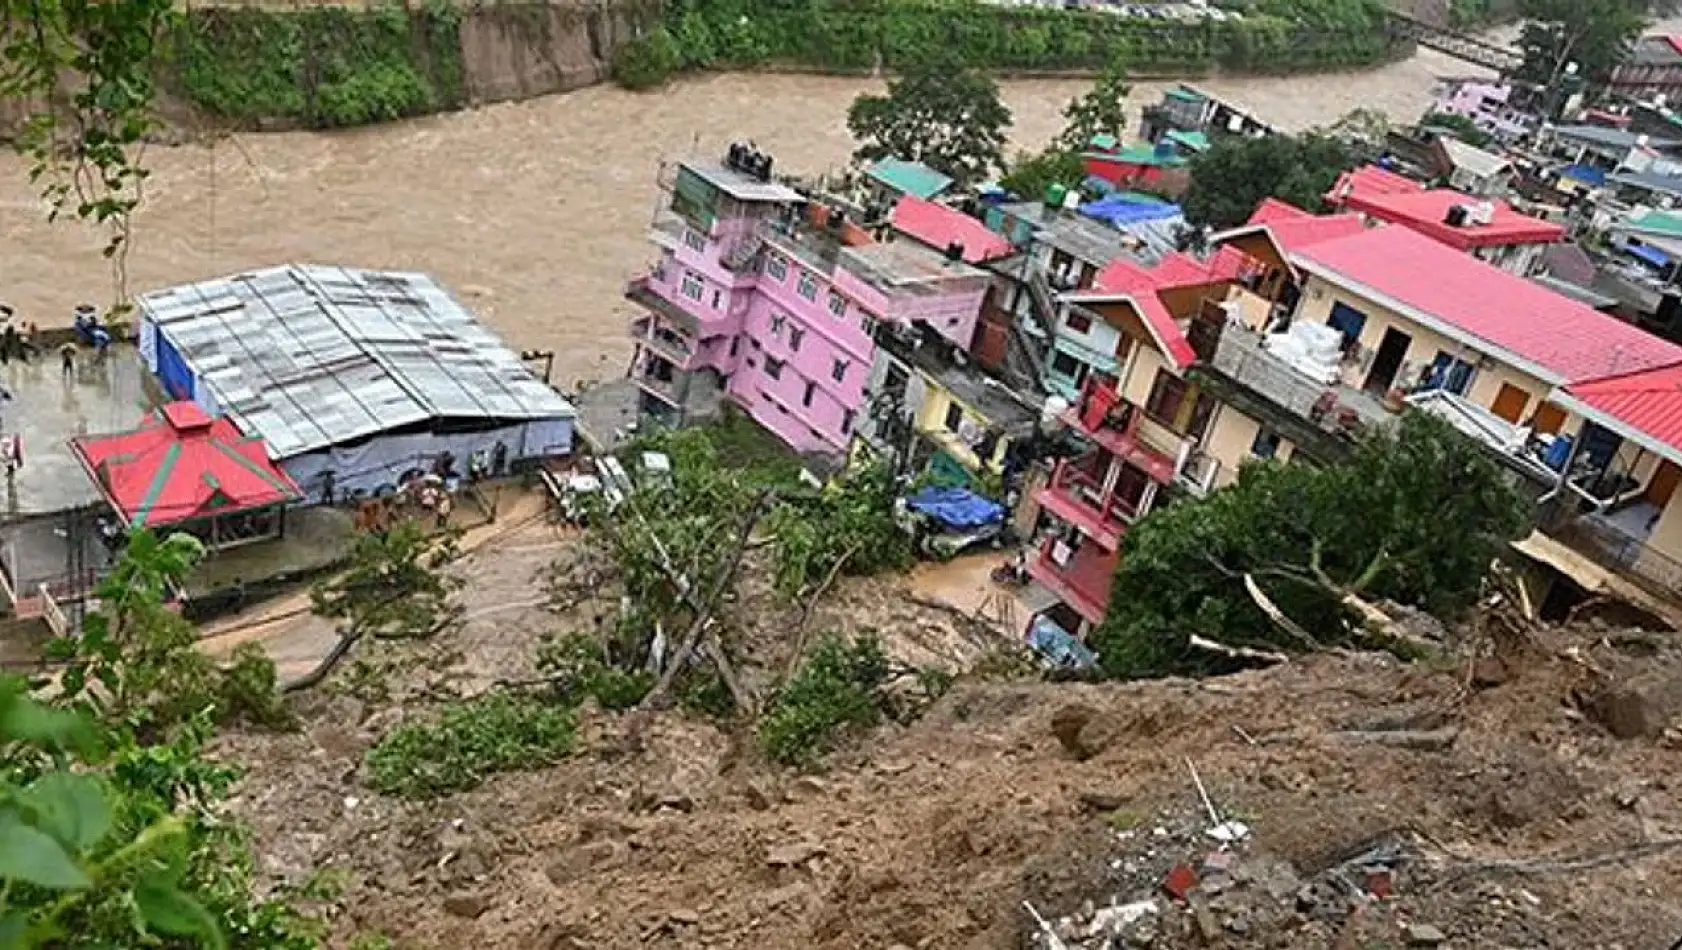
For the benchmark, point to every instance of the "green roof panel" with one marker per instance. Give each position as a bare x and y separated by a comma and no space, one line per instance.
912,178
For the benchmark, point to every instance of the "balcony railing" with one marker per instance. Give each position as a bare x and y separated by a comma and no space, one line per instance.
1657,572
1075,493
1125,430
1200,472
641,292
1079,575
648,332
1240,356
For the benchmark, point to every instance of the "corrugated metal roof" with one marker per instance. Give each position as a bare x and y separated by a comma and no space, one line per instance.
739,186
311,356
1645,406
1540,332
912,178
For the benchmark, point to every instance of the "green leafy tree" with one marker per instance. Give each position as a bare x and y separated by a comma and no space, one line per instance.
649,61
1459,126
1102,110
84,75
1415,515
1031,175
1594,34
1235,174
112,831
137,660
939,113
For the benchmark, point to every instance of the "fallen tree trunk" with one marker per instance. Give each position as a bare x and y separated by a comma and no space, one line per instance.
1238,653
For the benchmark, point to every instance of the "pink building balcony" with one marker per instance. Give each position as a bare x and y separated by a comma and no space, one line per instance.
1079,575
1124,430
1077,493
675,347
688,318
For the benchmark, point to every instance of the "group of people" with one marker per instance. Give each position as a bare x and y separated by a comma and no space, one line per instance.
22,341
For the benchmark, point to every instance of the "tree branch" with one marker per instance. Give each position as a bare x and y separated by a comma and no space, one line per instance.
704,609
1278,617
811,606
1238,653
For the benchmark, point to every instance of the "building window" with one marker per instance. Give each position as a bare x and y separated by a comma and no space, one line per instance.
795,335
695,240
954,416
1077,322
777,322
1063,364
718,299
777,268
1349,322
773,367
1266,445
838,372
808,285
837,304
735,346
806,397
1168,393
1450,373
692,285
867,324
847,422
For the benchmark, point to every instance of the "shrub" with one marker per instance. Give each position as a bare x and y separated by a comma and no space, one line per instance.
838,686
467,742
647,62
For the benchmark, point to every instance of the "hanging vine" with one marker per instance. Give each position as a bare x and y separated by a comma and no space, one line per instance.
83,72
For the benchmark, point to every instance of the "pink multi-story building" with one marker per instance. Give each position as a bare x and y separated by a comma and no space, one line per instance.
770,300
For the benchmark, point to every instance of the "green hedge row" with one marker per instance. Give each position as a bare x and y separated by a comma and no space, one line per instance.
320,66
852,35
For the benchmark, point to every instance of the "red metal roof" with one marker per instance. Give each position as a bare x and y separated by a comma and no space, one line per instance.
182,464
939,226
1550,336
1649,402
1424,211
1272,209
1675,41
1370,180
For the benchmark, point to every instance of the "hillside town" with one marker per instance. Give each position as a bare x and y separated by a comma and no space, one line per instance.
1197,529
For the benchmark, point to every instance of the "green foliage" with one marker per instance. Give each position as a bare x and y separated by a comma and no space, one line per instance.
322,66
849,522
1101,111
137,661
1031,175
938,113
1276,36
1415,515
650,60
839,686
1595,34
584,669
468,741
1235,174
80,77
1462,127
111,827
394,586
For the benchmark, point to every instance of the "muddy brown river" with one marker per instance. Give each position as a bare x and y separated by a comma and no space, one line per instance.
534,212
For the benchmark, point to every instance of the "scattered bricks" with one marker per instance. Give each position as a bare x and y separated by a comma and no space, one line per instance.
1179,882
1379,883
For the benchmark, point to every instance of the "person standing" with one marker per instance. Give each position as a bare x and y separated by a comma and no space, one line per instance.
67,360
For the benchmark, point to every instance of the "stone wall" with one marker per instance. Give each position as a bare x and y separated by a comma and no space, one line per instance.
515,50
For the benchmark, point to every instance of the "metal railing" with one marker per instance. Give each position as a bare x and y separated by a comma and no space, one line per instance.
1333,407
1652,569
1200,471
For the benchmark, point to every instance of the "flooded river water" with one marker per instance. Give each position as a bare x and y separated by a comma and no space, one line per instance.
534,212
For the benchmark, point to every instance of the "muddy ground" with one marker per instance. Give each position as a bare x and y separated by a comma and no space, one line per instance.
1068,796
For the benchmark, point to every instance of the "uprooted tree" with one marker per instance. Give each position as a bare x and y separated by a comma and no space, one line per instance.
394,588
678,549
1294,558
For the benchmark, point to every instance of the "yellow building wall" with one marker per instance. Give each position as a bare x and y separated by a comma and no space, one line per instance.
1230,437
1141,372
931,421
1318,298
1667,534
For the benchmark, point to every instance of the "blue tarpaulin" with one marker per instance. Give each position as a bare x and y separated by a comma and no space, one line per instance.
1651,255
1059,646
1120,211
956,507
1586,174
